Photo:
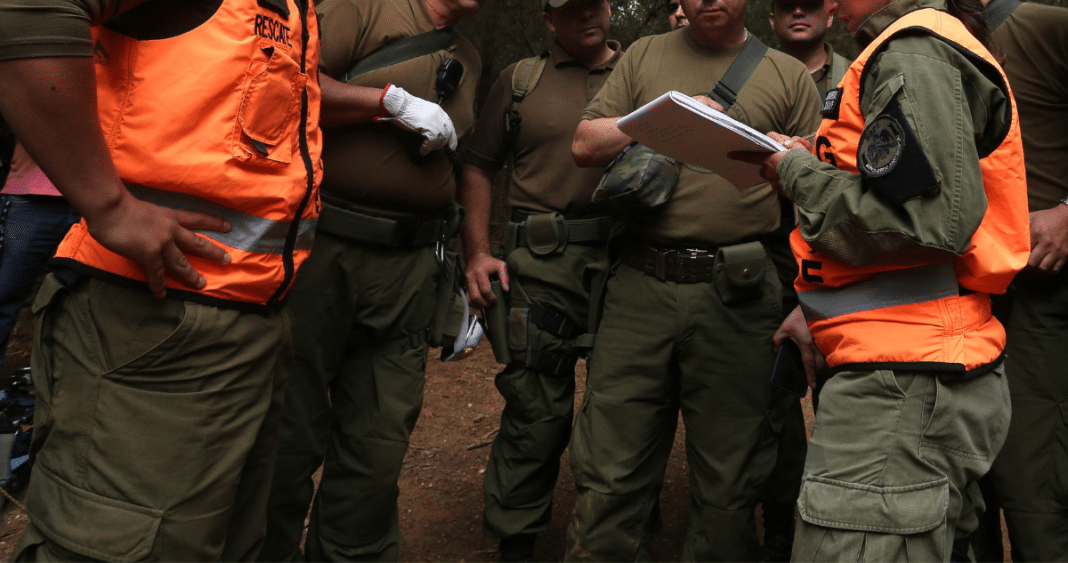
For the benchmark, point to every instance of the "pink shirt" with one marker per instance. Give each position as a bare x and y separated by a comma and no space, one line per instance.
26,178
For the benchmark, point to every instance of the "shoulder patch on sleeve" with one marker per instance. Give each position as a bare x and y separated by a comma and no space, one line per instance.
881,145
891,159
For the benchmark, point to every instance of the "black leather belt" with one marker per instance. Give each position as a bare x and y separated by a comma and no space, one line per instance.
689,265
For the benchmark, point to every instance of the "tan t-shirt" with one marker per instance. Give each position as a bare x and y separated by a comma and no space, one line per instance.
369,165
779,96
544,176
1035,43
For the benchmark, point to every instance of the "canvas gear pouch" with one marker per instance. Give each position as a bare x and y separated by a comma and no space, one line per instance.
594,281
546,233
496,319
638,181
739,271
450,300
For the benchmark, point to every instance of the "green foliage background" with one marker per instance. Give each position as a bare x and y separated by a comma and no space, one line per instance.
505,31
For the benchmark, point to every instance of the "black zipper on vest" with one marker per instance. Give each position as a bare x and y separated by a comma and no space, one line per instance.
305,155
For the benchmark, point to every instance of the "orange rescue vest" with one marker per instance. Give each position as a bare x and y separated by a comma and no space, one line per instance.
222,119
936,316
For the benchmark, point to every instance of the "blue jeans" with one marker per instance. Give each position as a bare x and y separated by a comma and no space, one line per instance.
31,227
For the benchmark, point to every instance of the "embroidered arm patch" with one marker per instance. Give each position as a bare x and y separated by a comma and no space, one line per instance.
891,159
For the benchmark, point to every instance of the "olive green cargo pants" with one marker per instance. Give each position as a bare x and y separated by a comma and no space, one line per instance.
892,461
662,347
787,418
524,461
154,427
1030,476
360,316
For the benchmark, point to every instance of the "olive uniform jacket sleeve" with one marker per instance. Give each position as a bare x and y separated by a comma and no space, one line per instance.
935,195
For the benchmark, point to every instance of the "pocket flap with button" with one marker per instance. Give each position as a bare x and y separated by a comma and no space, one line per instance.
91,524
546,233
742,264
908,509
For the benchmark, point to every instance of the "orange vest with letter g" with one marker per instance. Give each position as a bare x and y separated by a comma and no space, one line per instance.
221,119
927,317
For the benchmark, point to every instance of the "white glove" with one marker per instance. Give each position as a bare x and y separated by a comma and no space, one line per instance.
420,116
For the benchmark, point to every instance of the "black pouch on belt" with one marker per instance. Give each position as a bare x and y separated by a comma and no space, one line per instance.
739,271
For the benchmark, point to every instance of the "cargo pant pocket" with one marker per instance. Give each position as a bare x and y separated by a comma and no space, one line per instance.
843,521
90,524
48,297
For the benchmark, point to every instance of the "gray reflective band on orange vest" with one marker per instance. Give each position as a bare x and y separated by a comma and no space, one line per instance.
900,287
249,232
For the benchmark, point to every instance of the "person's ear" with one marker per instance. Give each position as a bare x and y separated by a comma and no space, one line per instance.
548,16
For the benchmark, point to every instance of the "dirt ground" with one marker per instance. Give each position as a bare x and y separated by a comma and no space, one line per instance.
441,484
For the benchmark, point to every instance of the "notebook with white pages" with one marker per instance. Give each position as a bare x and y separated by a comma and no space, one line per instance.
678,126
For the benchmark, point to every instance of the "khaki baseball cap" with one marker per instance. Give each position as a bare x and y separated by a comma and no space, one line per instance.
555,3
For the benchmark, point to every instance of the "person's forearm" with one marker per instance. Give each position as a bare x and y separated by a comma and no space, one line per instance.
475,195
50,105
345,104
597,142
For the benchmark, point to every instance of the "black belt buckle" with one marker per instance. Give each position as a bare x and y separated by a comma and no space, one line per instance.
691,263
409,233
405,233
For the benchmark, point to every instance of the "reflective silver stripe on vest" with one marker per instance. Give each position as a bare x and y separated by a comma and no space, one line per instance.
249,232
888,289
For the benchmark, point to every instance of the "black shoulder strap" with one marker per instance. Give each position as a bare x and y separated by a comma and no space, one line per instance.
999,10
726,90
402,50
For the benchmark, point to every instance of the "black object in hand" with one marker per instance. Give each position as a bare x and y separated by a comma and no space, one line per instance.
789,371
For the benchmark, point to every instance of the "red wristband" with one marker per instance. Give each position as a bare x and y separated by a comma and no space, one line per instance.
381,99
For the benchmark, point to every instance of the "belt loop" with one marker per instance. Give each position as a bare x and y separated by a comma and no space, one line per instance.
606,227
660,266
511,238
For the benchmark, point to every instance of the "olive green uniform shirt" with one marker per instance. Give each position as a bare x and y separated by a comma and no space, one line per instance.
57,28
1034,41
779,96
824,77
544,176
368,165
936,81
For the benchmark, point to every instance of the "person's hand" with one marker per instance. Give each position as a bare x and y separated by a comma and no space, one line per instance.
420,116
158,238
709,102
796,328
1049,239
479,268
769,162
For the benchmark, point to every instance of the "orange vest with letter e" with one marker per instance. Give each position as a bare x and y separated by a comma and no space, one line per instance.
220,119
922,317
